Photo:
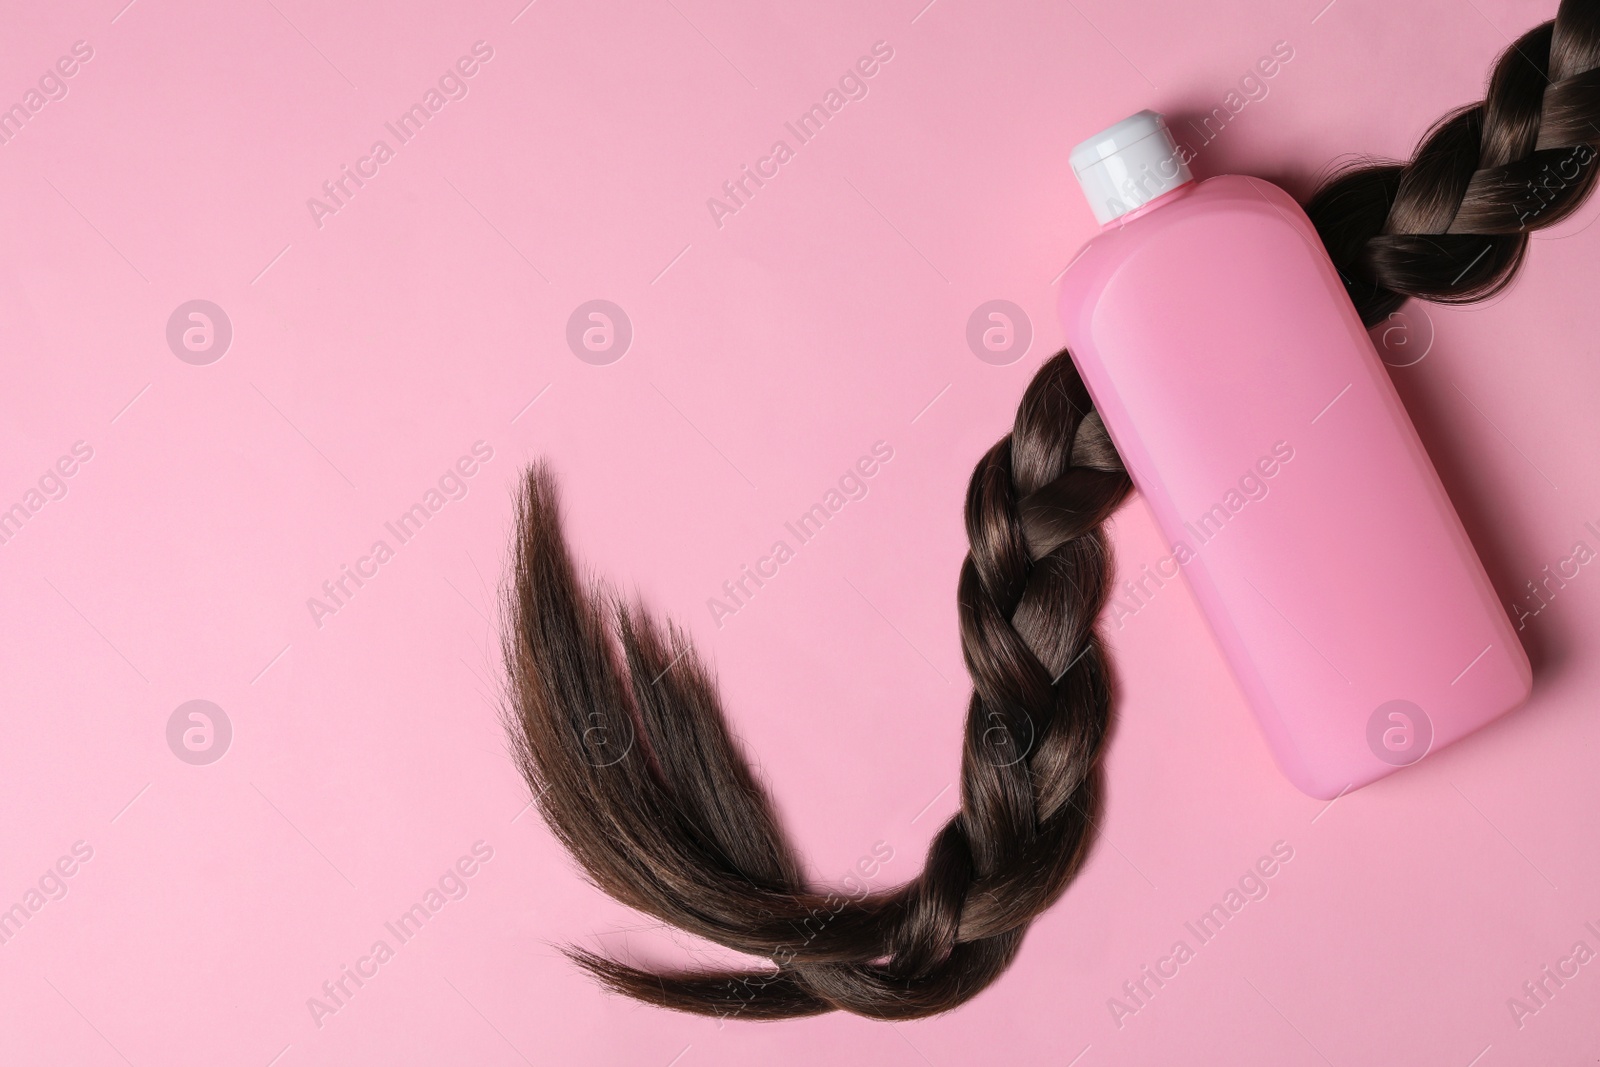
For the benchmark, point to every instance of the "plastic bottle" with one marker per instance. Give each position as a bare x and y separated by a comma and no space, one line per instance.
1257,421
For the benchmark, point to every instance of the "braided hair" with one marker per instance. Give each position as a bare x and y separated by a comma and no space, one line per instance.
1452,224
618,728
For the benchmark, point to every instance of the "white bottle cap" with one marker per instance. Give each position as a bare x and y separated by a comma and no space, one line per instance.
1128,165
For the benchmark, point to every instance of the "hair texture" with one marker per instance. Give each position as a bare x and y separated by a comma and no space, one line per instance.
1452,224
622,737
618,728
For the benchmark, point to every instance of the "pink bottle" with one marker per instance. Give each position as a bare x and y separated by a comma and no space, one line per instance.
1258,422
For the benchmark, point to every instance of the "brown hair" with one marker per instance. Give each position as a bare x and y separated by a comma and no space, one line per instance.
620,733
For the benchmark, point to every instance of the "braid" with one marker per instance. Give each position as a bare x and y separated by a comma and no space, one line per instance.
619,731
621,735
1452,225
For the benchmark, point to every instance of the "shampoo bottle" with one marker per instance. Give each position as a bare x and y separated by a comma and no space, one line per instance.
1257,421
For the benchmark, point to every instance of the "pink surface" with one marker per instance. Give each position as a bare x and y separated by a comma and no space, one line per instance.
208,902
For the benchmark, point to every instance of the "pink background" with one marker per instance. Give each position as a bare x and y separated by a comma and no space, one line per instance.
768,354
